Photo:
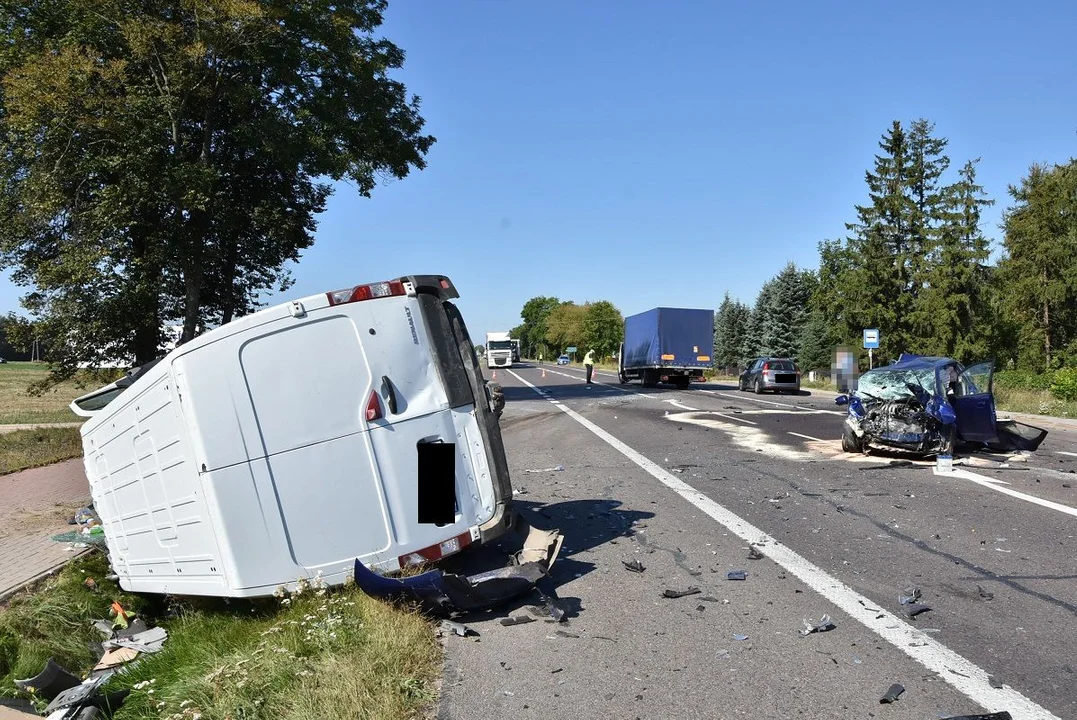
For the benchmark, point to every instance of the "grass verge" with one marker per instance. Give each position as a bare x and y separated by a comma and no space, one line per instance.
319,654
18,408
24,449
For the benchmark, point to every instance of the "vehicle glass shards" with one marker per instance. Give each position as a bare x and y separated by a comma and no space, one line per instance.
894,384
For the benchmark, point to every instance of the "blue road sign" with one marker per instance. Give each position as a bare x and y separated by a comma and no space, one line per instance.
871,338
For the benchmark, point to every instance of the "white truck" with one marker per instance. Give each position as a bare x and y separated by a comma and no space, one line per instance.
347,425
499,350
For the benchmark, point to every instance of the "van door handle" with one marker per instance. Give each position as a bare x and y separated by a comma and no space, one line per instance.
389,393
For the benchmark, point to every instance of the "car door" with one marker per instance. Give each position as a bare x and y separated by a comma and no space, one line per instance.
974,404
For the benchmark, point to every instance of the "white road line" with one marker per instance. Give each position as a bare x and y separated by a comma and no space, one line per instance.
734,417
1063,452
955,669
767,402
682,406
994,485
806,437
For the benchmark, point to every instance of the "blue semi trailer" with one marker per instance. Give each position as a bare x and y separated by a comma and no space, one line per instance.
669,345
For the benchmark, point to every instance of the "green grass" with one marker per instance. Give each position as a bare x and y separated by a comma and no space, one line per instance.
318,655
17,407
24,449
1033,402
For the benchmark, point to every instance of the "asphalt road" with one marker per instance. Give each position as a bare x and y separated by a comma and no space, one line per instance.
686,481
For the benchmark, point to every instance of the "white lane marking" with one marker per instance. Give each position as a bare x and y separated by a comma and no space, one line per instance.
1063,452
682,406
955,669
997,486
806,437
770,402
734,417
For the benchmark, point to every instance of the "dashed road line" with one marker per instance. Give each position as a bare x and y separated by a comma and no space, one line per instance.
769,402
964,675
1063,452
806,437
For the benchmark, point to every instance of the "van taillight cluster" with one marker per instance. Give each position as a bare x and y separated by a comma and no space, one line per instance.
373,407
366,292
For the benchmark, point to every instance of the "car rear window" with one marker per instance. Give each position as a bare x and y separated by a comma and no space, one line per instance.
781,365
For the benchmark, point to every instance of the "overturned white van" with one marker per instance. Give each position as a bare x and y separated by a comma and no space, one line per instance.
292,441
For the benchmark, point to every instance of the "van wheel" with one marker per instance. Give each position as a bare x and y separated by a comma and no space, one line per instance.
850,443
759,386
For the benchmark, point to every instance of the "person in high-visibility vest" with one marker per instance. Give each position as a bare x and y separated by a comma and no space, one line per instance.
589,364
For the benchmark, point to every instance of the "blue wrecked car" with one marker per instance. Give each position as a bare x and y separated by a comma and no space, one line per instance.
927,405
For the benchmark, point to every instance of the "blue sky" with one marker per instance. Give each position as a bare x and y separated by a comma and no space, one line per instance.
664,153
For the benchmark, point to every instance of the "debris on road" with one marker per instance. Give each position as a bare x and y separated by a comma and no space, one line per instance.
739,637
984,594
442,593
824,625
558,468
635,566
550,609
147,641
736,575
911,595
1004,715
892,694
673,594
754,554
457,628
915,609
517,620
116,657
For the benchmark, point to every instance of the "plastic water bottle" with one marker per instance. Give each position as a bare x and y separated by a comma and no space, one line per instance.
944,462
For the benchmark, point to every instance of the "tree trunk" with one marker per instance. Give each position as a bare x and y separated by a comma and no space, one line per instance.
1047,334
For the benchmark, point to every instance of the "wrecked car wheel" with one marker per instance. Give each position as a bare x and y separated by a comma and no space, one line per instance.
850,443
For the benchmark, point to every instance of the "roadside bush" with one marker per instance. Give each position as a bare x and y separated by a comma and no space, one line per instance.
1022,380
1064,384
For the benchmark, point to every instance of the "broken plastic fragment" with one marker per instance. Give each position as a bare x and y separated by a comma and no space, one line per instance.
50,682
737,636
457,628
892,694
824,625
680,593
635,566
910,595
1004,715
736,575
754,554
984,594
517,620
914,610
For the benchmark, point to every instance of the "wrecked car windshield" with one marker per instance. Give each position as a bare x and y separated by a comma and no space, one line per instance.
892,384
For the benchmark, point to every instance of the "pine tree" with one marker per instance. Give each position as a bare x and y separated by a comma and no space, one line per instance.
877,290
1039,273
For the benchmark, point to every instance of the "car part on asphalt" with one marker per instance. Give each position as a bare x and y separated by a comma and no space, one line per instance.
914,609
635,566
754,554
458,628
825,624
673,594
895,691
444,593
738,636
911,595
517,620
736,575
1004,715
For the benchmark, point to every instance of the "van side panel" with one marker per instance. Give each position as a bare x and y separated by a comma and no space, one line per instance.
307,381
331,501
148,495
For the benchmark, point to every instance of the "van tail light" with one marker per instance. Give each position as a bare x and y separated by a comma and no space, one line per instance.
436,552
366,292
373,407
